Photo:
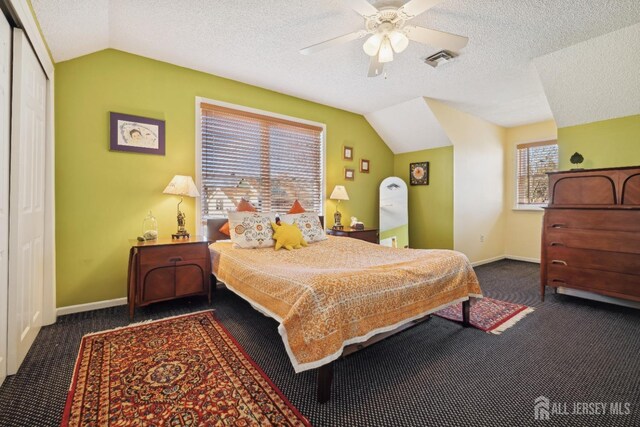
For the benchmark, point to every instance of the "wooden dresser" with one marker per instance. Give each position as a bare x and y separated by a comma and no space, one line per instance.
591,232
166,269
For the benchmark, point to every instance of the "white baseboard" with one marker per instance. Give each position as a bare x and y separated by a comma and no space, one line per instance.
487,261
61,311
500,257
522,258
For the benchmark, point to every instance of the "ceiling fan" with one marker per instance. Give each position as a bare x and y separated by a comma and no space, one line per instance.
388,32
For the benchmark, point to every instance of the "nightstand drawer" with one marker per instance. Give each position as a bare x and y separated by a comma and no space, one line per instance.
164,255
367,236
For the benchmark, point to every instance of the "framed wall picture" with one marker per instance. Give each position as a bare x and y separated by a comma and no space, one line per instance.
349,174
419,173
136,134
364,165
347,153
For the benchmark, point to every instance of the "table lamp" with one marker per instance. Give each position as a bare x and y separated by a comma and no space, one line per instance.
339,193
181,186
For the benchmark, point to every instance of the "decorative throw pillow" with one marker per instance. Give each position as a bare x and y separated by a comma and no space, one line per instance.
296,208
287,236
251,229
243,206
308,223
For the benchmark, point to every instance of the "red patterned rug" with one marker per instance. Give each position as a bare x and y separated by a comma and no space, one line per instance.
181,371
488,314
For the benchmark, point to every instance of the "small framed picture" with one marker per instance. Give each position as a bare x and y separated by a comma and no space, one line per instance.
347,153
136,134
419,173
349,174
364,165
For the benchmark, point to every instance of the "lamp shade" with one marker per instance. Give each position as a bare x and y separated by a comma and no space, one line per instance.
339,193
386,51
399,41
182,186
372,45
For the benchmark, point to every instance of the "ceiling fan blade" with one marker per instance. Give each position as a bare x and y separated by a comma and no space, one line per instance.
436,38
416,7
375,67
363,7
332,42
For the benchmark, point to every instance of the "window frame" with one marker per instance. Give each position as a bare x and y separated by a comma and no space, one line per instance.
536,207
202,224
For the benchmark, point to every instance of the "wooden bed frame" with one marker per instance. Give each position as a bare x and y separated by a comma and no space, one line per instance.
325,372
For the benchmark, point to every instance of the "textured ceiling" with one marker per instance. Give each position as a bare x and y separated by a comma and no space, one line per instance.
257,42
583,82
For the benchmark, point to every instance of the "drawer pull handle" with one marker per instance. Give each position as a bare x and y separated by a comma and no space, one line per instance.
558,281
175,259
559,225
558,261
556,244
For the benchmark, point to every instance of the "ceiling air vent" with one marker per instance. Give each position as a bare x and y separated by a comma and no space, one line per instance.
439,58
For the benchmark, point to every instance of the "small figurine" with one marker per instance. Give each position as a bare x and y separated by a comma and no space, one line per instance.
355,224
577,159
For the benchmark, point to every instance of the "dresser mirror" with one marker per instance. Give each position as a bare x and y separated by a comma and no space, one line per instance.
394,214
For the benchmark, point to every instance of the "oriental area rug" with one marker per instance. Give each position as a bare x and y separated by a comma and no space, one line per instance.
181,371
488,314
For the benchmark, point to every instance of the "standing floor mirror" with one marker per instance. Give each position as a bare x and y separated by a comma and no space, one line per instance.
394,213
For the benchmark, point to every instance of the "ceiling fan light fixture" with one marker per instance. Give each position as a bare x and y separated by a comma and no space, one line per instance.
386,51
372,45
399,41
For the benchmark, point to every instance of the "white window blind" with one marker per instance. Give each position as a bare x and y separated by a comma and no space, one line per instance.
534,161
266,160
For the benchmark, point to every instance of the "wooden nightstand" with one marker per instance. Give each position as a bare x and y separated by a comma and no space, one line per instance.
368,234
165,269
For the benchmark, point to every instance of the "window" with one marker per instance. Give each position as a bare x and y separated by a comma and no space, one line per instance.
266,159
534,161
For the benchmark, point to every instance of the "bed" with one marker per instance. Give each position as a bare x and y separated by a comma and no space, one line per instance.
339,295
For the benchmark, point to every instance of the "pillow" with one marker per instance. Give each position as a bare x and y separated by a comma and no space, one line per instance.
296,208
288,236
243,206
309,224
251,229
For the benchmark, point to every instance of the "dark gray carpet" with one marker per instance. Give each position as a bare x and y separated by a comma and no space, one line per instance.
438,373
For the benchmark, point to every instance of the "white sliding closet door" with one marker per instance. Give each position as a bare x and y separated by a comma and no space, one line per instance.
5,105
27,201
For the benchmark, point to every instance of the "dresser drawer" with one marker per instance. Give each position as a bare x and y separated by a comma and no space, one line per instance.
617,284
163,255
594,219
611,241
597,260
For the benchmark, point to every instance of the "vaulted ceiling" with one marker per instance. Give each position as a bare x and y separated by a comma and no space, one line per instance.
495,77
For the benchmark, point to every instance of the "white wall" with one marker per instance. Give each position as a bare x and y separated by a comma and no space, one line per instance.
478,179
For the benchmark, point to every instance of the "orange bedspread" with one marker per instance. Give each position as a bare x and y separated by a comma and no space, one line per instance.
342,291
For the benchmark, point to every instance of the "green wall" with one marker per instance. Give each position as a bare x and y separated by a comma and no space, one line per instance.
103,196
608,143
400,233
430,206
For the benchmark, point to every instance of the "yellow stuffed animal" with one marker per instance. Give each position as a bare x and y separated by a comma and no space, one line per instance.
288,236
